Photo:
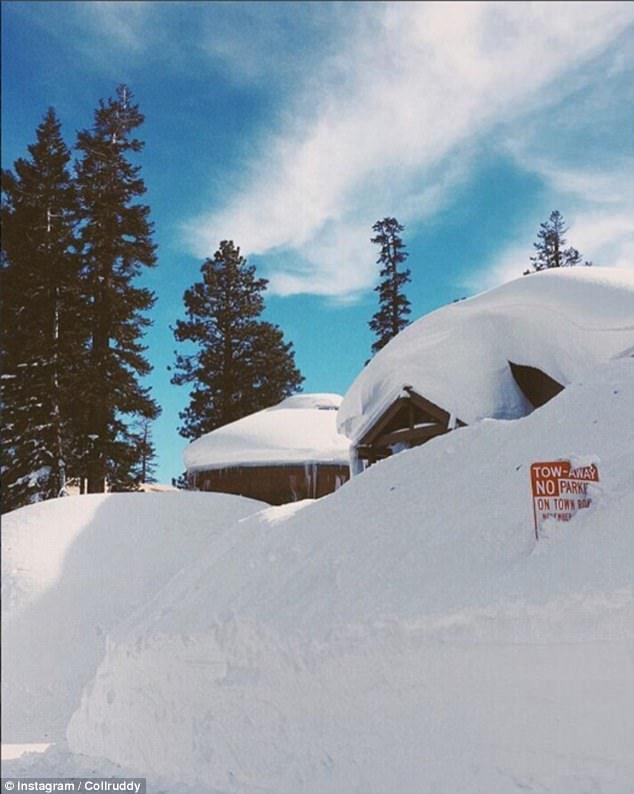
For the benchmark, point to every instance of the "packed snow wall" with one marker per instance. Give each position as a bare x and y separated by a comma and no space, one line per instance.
72,569
405,634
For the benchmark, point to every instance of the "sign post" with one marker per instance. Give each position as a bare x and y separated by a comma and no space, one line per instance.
559,490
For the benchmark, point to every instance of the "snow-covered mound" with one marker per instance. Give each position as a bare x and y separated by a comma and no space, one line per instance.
563,322
71,570
301,429
405,634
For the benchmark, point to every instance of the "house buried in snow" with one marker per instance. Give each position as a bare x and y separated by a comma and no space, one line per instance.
498,355
282,454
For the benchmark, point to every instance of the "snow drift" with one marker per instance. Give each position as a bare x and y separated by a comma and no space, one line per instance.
71,570
563,322
405,634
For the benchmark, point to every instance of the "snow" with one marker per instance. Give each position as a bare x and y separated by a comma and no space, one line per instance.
301,429
12,751
562,321
72,569
406,633
156,487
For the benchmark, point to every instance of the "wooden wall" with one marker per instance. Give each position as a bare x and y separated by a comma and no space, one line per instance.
276,485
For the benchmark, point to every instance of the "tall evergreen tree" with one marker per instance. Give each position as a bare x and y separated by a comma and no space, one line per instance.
550,248
43,333
145,451
390,319
242,363
116,244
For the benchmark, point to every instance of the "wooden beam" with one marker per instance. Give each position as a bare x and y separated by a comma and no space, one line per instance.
419,409
383,420
371,454
436,413
415,436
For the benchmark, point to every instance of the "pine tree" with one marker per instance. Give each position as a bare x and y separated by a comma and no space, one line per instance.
180,482
116,244
550,246
43,334
145,451
394,306
242,363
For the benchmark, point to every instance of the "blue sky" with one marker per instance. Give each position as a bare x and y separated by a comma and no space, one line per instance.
292,127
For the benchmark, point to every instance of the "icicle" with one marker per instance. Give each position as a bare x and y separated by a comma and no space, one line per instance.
356,465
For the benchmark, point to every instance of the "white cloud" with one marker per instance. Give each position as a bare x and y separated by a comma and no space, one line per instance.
121,24
599,217
604,237
603,224
338,262
257,42
397,107
107,35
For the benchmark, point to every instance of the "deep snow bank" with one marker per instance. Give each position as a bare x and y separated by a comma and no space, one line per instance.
563,322
71,570
404,634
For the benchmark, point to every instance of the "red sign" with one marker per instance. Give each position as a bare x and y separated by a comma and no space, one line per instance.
559,490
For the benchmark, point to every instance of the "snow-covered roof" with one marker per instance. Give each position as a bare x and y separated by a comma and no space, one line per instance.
563,322
301,429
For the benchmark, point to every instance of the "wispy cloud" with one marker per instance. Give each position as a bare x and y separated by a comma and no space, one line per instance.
122,24
260,42
385,108
256,42
603,235
591,183
107,36
419,86
603,223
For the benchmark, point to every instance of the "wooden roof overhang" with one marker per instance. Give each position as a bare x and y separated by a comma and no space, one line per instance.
411,419
537,386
